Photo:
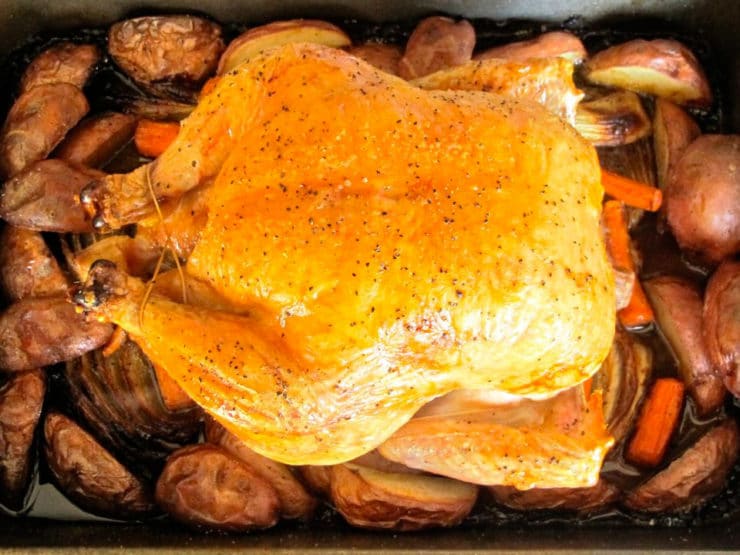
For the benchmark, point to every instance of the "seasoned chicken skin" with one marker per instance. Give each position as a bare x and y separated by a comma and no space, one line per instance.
367,246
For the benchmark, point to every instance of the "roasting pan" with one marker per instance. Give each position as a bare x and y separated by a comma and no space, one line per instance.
715,21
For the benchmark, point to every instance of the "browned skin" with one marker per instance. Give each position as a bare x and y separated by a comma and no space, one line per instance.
673,131
383,56
317,478
368,498
96,140
89,475
694,477
202,485
37,123
437,43
721,328
295,501
27,267
45,197
21,399
702,197
36,332
62,63
678,308
584,500
165,48
547,45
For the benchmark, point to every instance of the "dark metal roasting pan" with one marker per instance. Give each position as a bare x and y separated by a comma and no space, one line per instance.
717,22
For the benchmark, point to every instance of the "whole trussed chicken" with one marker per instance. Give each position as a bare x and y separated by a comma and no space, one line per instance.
357,247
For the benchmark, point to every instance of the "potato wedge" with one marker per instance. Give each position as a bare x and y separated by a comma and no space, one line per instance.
661,67
437,43
369,498
721,325
317,478
615,119
583,500
95,141
278,33
383,56
673,131
702,197
62,63
295,501
547,45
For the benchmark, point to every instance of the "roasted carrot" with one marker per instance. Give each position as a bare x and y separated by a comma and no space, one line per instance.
638,312
631,192
173,396
658,420
153,137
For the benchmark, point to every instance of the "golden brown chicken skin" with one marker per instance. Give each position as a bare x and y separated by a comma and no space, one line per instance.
370,246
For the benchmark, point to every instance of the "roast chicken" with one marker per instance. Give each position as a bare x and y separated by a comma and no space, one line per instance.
355,247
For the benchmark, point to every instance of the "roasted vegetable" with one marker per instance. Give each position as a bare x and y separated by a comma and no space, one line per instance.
62,63
295,501
258,39
90,476
168,54
692,478
678,308
702,197
370,498
27,267
21,399
721,325
37,123
664,68
547,45
95,141
583,500
673,131
45,197
615,119
202,485
437,43
36,332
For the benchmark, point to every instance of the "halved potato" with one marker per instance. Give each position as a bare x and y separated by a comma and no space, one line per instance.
548,45
373,499
661,67
673,131
437,43
383,56
615,119
278,33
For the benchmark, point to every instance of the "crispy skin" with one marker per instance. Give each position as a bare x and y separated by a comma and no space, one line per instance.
471,257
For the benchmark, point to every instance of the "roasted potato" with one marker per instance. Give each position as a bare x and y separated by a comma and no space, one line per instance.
317,478
21,399
547,45
583,500
36,332
158,51
721,325
615,119
295,501
278,33
202,485
437,43
673,131
383,56
89,475
692,478
702,197
27,267
62,63
95,141
37,123
677,304
369,498
45,197
661,67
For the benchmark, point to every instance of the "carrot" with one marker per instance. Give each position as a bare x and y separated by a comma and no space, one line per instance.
638,312
153,137
173,396
657,421
631,192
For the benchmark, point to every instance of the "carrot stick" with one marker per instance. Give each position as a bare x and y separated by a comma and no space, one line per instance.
153,137
657,421
638,312
631,192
